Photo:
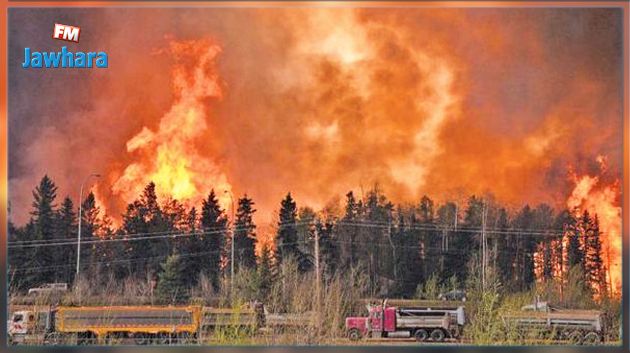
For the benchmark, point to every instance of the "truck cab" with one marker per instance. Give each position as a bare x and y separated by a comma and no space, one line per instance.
27,326
358,327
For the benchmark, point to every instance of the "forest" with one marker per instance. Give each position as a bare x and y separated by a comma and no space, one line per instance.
399,249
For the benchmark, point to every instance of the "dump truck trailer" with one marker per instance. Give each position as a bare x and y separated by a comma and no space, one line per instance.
575,326
88,325
422,323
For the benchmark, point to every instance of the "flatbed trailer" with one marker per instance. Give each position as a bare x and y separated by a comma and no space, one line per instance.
247,318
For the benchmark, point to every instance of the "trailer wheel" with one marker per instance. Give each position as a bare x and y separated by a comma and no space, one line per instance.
438,335
182,338
592,338
354,334
163,338
141,339
575,337
86,338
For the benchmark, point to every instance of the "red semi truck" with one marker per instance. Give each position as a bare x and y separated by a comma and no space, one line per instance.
421,323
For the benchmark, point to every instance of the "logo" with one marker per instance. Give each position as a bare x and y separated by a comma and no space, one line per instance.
67,33
64,58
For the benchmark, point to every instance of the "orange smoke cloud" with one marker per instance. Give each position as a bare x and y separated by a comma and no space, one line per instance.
320,101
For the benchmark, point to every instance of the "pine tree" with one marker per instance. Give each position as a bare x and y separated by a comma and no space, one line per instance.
66,228
192,221
374,243
525,248
562,222
348,231
106,254
157,226
214,223
426,210
133,223
543,223
144,218
505,252
306,226
171,288
430,239
114,252
43,220
328,249
466,242
575,252
23,271
265,273
245,234
287,235
189,246
410,265
90,228
446,227
594,264
174,215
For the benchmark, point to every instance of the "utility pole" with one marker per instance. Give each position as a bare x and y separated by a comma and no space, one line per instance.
317,274
456,210
484,254
232,243
80,218
391,244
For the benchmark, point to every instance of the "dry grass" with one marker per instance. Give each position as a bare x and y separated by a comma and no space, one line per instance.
294,294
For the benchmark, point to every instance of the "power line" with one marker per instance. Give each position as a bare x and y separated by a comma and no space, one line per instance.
134,237
140,259
178,234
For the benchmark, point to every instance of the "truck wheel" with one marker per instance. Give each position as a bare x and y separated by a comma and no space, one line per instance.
592,338
182,338
421,335
438,335
52,339
354,334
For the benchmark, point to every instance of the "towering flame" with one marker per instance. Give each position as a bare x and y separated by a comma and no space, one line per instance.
592,194
168,155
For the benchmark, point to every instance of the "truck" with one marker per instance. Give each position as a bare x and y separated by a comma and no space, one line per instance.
104,324
140,325
572,325
49,288
422,323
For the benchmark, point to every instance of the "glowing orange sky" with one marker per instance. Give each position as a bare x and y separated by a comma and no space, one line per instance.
447,102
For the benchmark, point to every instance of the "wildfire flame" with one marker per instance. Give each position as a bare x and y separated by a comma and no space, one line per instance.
590,193
167,155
